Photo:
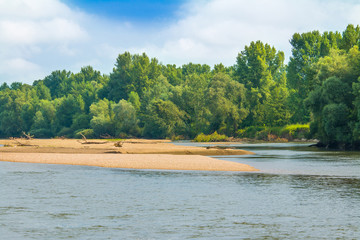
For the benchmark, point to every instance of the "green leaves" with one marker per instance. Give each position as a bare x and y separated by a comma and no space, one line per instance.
163,119
334,104
144,98
261,69
131,73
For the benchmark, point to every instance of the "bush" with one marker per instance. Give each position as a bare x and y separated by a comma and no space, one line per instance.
289,132
296,131
215,137
250,132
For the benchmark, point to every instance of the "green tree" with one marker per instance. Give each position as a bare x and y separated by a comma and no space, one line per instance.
66,110
132,73
59,83
163,119
125,119
190,98
350,37
257,68
173,74
134,99
307,49
102,116
42,92
11,106
333,103
226,101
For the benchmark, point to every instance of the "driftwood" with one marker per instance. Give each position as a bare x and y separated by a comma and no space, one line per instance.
106,136
85,141
18,143
218,147
28,136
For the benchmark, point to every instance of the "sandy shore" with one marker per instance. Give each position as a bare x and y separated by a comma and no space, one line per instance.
134,154
131,161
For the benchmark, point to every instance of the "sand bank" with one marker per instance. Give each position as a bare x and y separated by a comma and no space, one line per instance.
130,161
132,146
134,154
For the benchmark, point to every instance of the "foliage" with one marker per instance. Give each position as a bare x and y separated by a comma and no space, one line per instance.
163,119
214,137
295,131
258,97
334,103
260,68
287,132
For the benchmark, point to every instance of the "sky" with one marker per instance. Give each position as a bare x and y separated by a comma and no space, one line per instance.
41,36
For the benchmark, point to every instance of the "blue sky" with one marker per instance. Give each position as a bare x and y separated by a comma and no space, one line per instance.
140,11
40,36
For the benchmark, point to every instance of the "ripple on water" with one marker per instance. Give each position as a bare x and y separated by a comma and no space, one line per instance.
300,194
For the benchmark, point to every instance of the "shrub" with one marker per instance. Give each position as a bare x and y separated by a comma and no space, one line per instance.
250,132
289,132
215,137
296,131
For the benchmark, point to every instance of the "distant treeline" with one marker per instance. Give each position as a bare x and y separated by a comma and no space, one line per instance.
144,98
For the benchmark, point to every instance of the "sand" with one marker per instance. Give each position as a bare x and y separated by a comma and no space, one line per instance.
134,154
130,161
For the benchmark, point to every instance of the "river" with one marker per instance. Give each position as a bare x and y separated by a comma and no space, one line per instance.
300,193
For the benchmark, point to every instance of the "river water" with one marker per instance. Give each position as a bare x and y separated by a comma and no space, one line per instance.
300,193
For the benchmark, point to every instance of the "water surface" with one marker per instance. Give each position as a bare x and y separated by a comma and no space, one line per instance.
300,193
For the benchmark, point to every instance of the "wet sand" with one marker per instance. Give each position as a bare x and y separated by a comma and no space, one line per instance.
134,154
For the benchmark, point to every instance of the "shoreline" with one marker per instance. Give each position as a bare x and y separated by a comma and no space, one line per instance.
131,161
134,154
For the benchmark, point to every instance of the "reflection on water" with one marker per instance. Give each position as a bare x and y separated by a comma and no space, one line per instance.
300,193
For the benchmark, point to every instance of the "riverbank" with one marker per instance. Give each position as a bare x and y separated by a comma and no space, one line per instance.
136,154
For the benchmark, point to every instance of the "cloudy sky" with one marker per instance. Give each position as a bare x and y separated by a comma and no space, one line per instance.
40,36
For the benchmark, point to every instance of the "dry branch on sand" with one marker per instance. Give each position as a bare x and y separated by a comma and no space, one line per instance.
85,141
18,143
28,136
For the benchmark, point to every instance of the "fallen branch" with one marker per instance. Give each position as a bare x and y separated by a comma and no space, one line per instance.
28,136
106,136
85,141
18,143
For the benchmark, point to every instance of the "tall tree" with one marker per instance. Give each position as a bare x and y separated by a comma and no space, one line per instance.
226,100
257,68
333,104
134,73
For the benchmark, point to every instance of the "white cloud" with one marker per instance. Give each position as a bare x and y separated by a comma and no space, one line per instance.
39,36
18,69
33,9
19,64
215,31
55,30
32,29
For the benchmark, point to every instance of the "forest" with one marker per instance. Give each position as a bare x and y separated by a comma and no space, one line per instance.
141,97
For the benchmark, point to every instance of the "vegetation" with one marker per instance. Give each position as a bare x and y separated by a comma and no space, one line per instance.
285,133
258,97
214,137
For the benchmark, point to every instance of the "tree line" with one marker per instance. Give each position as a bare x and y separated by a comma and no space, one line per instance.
144,98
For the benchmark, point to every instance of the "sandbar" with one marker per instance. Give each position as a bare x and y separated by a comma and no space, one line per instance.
130,161
134,154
